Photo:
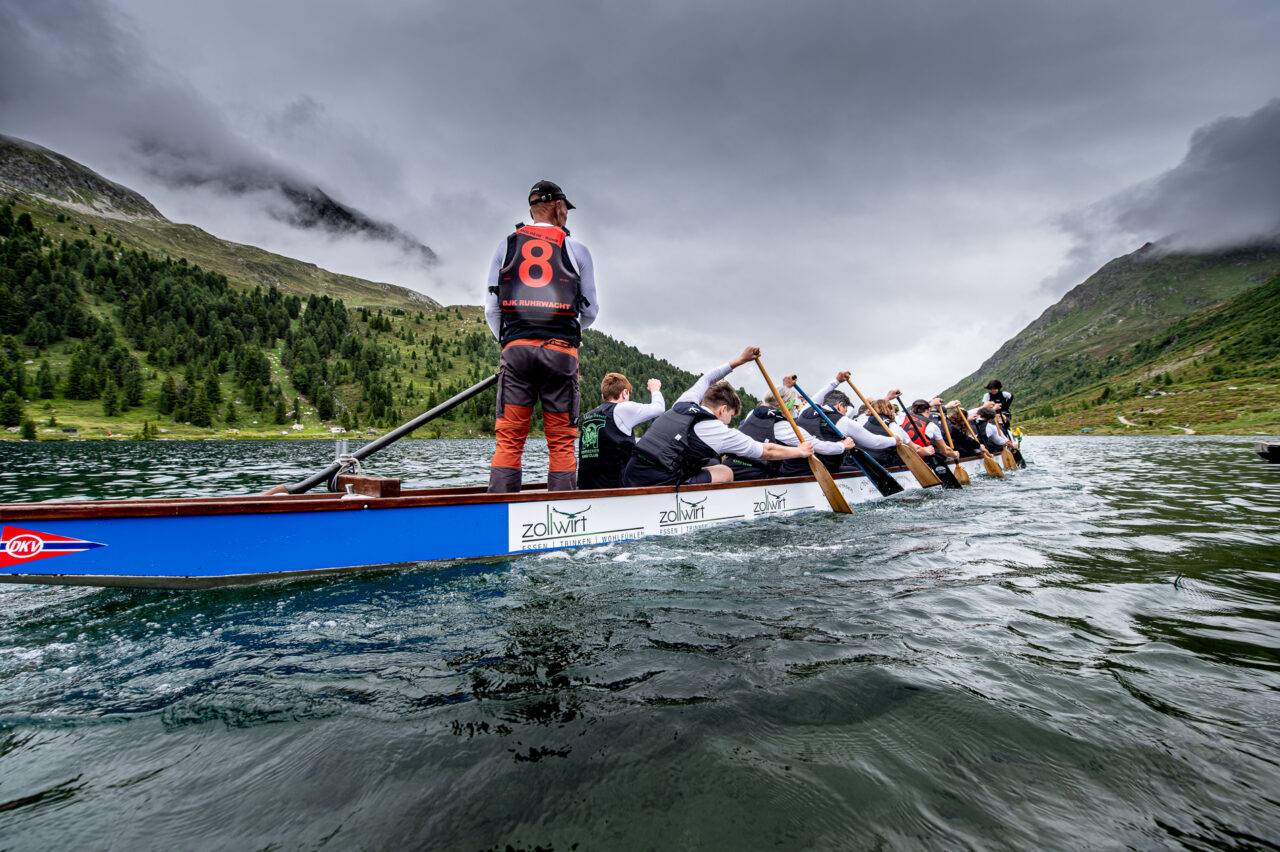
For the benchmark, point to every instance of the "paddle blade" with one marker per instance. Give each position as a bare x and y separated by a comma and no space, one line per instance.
1006,456
879,477
962,475
918,468
992,466
829,488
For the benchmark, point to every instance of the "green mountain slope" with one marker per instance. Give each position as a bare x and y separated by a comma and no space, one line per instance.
98,339
1091,331
70,201
1146,317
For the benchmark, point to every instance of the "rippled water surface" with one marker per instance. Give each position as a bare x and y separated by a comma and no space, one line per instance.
1085,655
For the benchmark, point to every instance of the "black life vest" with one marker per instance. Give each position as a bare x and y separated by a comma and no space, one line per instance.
1005,399
539,290
815,425
603,448
671,444
758,426
887,456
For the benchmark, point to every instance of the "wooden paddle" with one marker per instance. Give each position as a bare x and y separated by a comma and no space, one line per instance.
829,488
1012,452
962,475
936,464
876,474
926,477
988,461
389,438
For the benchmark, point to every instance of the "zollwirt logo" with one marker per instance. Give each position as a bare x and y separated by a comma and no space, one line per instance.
557,525
18,546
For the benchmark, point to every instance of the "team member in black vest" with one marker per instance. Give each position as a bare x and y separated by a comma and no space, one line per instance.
886,455
684,445
542,293
990,433
767,424
832,446
999,399
605,434
964,444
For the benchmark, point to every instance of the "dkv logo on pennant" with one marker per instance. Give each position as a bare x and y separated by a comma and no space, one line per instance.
19,546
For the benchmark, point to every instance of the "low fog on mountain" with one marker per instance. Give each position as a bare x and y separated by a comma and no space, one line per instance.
891,188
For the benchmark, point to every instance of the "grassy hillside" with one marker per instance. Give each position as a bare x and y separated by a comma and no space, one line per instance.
1090,335
1216,371
103,335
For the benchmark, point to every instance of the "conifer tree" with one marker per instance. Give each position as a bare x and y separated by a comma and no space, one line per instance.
201,413
29,430
11,410
45,384
110,400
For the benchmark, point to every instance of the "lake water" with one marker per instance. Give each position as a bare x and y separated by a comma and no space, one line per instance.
1083,656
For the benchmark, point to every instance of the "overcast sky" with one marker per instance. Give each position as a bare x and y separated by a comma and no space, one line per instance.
892,188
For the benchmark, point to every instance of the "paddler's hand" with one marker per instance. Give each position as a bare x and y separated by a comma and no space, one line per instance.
893,394
749,354
924,451
790,381
848,444
806,449
275,490
654,386
843,376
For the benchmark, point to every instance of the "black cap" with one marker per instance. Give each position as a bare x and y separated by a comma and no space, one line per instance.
545,190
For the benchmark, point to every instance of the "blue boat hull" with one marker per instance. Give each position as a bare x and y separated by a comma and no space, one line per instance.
221,541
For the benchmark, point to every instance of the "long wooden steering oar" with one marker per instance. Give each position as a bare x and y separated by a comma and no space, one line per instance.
876,474
926,477
988,461
937,465
962,475
389,438
829,488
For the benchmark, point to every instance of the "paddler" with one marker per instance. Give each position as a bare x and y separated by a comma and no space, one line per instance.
685,444
767,424
606,441
541,294
999,399
923,431
990,433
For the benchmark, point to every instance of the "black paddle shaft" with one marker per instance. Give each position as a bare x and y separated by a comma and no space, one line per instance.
394,435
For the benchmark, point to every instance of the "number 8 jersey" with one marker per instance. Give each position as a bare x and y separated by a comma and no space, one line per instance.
539,291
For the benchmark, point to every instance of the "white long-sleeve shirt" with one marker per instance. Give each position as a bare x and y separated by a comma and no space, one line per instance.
893,427
784,434
994,434
586,272
716,435
628,415
862,437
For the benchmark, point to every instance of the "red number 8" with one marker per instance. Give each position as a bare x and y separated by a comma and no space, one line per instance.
536,253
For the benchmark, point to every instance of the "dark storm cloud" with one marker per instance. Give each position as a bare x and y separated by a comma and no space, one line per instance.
76,78
1226,192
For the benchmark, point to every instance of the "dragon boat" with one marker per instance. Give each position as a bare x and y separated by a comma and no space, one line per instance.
370,522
